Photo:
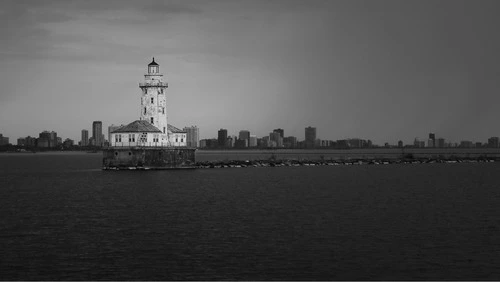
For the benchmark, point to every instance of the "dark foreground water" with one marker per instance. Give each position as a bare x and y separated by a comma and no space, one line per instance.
64,218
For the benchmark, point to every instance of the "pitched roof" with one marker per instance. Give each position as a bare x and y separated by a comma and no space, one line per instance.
138,126
174,129
153,63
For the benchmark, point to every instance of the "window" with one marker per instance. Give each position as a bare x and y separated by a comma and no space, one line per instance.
164,129
152,121
163,110
155,138
182,140
118,138
162,91
152,100
176,140
131,138
144,110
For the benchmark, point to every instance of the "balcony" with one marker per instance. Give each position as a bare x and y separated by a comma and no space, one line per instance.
153,84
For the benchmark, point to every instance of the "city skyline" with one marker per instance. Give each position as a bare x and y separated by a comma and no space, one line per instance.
379,70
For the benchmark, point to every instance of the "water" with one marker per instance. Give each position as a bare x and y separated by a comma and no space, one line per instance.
64,218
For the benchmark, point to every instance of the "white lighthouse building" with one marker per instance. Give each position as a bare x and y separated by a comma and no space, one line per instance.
152,128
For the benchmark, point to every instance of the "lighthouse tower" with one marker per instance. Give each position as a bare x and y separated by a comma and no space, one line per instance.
153,99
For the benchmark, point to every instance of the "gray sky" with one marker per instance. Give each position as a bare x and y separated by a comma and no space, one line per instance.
374,69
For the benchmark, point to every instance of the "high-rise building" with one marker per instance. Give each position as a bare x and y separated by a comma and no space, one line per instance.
280,131
310,137
4,140
21,141
432,137
493,142
252,141
290,142
276,139
430,143
440,143
192,136
85,137
244,138
222,137
47,139
97,133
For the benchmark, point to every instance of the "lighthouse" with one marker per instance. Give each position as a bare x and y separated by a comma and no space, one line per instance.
150,142
153,99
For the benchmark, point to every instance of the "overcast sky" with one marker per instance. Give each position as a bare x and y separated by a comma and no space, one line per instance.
374,69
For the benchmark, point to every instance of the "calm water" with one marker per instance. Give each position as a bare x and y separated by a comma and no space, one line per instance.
64,218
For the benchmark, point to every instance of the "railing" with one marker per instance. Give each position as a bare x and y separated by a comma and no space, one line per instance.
153,84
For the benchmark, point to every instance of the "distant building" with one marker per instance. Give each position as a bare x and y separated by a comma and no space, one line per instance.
192,136
21,141
310,136
252,141
97,133
430,143
280,131
4,140
222,138
493,142
400,144
59,141
290,142
466,144
243,138
276,139
230,141
68,143
47,139
203,143
356,143
85,138
441,143
432,137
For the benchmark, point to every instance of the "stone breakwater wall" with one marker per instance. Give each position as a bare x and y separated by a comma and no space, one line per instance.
347,154
280,163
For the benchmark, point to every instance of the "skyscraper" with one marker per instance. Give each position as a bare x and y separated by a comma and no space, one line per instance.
280,131
252,141
275,139
85,137
192,136
97,133
432,137
245,137
222,137
310,136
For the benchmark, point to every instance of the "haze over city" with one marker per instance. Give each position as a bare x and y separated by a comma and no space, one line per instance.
379,70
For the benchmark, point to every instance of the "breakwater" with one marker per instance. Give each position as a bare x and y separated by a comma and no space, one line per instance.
348,154
322,162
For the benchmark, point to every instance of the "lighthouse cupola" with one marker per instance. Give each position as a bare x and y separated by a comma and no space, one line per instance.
153,67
